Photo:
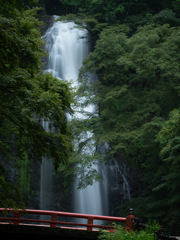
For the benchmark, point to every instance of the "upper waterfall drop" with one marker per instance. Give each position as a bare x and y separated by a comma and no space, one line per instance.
66,50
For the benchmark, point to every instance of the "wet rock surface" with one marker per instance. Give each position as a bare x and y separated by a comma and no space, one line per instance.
48,21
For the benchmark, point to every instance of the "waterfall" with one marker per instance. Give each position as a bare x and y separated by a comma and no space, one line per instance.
125,189
46,179
94,198
66,50
66,53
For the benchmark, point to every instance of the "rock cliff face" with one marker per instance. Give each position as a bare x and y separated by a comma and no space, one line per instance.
48,22
123,184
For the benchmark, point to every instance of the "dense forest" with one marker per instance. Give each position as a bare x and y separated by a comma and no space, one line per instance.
27,96
136,91
136,58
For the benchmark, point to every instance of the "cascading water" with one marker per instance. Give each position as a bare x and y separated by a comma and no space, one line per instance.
66,53
120,187
46,179
66,50
93,199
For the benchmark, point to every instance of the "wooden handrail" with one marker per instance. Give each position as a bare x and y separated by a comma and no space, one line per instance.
53,222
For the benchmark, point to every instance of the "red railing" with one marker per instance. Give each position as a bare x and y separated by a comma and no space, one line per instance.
53,222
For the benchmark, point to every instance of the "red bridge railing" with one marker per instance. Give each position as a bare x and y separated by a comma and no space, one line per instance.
53,222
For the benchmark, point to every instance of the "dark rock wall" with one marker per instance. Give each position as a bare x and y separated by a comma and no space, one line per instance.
123,184
121,178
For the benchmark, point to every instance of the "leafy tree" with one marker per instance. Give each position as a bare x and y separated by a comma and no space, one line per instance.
10,196
121,11
131,72
121,233
138,70
97,15
27,95
169,137
136,89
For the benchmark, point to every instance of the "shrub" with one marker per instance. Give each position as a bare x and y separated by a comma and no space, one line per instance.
120,233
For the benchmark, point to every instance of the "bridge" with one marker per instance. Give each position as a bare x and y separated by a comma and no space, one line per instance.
17,223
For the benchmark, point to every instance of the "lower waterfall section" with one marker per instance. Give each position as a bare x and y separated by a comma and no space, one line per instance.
94,198
46,192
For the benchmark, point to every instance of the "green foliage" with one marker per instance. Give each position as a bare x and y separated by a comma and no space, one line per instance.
100,14
24,93
166,16
135,78
136,89
27,95
71,2
121,11
138,75
169,138
10,196
136,57
120,233
176,5
24,175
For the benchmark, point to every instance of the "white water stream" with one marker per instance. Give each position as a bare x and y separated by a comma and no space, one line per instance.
66,53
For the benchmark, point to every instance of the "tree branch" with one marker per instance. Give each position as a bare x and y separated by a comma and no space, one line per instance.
13,121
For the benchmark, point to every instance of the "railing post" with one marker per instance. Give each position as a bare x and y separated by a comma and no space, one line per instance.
53,218
16,215
135,222
129,220
90,221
